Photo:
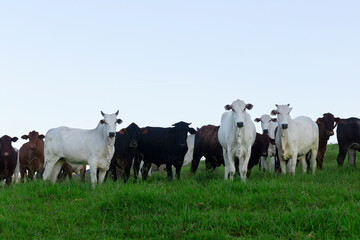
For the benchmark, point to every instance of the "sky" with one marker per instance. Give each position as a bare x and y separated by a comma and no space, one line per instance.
161,62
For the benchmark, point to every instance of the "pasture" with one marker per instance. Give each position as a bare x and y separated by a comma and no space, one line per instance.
204,206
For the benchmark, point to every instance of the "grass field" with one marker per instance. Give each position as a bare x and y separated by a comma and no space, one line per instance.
204,206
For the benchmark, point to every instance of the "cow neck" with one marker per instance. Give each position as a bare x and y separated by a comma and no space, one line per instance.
109,142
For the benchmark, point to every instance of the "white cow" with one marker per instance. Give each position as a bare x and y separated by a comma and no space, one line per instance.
295,138
268,126
236,135
94,147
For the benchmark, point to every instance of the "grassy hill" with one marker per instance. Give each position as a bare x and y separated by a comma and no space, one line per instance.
204,206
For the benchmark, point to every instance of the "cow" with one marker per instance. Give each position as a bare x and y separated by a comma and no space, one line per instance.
93,147
236,135
207,145
326,125
348,136
259,150
126,147
164,146
295,138
8,158
268,126
31,155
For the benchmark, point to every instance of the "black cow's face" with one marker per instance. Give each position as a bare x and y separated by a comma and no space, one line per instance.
329,122
5,145
264,141
181,132
133,131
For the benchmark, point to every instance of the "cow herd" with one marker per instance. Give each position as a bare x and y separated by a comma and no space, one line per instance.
234,144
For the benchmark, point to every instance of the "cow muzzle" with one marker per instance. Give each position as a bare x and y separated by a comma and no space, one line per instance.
284,126
265,131
111,134
239,124
264,154
330,133
6,154
133,144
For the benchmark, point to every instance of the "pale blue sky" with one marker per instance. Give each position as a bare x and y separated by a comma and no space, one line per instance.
160,62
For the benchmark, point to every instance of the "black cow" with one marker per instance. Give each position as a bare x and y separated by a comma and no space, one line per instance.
258,150
164,146
8,158
126,147
348,136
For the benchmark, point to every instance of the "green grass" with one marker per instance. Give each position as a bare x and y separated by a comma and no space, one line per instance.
204,206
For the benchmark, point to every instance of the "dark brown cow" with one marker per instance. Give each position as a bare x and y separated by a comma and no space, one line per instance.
326,125
32,156
8,158
207,145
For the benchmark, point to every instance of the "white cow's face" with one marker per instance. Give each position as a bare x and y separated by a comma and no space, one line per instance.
283,115
238,108
109,122
265,122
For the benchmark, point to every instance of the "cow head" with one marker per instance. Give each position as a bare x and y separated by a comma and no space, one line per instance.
283,115
34,138
5,145
238,108
265,122
330,122
133,131
181,131
109,122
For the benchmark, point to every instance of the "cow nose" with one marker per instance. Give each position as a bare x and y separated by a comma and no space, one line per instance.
284,126
6,154
133,144
330,133
239,124
111,134
266,131
264,154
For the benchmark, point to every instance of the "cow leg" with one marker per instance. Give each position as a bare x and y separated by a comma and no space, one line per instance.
244,165
303,163
226,161
272,164
49,169
352,157
195,161
292,163
262,164
313,160
102,173
231,162
282,164
342,153
145,170
56,170
83,172
177,171
22,173
169,171
93,173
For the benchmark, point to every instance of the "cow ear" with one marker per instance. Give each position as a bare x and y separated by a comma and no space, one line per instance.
273,113
290,108
119,121
117,113
257,120
25,137
274,119
41,137
228,107
272,141
122,131
102,121
249,106
319,120
14,139
144,130
337,120
102,113
192,131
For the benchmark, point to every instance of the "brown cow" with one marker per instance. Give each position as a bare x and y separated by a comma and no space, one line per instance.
32,156
326,126
8,158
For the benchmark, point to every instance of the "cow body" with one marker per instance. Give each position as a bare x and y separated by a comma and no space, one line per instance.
268,126
348,136
236,135
126,147
31,155
258,151
326,125
207,145
164,146
8,158
93,147
295,138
